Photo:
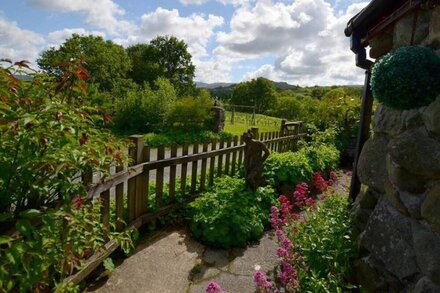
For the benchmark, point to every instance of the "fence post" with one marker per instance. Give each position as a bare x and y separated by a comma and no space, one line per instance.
283,126
134,190
254,131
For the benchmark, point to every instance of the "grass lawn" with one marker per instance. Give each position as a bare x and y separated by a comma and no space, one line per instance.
243,121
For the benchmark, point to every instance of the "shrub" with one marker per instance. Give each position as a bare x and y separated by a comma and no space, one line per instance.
47,137
315,246
190,113
289,167
180,136
144,110
230,215
295,167
407,78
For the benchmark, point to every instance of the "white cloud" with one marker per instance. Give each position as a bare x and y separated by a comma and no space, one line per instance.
58,37
18,44
305,37
196,29
104,14
224,2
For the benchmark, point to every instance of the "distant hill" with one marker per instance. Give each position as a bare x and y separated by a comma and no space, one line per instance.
279,85
204,85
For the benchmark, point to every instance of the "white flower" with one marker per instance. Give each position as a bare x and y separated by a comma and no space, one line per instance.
257,267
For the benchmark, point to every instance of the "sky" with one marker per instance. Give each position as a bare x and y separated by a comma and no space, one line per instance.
301,42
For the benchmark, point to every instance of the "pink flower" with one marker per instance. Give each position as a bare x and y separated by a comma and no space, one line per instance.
289,276
262,283
213,287
300,194
319,182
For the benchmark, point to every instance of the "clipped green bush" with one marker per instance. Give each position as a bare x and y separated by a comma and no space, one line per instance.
407,78
230,215
296,167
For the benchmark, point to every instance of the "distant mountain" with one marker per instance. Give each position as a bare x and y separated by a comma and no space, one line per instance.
279,85
204,85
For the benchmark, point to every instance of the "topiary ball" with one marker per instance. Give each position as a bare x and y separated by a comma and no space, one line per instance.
408,78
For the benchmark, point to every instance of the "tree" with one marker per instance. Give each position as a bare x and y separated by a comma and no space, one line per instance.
106,61
165,56
259,92
144,66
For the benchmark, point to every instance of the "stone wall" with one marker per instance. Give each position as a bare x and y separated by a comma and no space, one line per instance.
397,216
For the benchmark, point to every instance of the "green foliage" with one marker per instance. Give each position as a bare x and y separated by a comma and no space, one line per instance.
144,110
181,136
323,241
144,68
106,61
259,92
190,113
295,167
47,136
230,215
39,258
174,62
407,78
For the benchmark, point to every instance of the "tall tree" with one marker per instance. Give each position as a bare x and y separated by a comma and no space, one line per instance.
167,57
260,92
106,61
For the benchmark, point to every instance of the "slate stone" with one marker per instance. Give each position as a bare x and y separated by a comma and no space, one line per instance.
418,153
427,249
392,122
425,285
430,209
388,237
371,167
431,117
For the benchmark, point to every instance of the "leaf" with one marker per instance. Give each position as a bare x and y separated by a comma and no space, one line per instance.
5,217
5,239
24,227
30,214
22,63
109,265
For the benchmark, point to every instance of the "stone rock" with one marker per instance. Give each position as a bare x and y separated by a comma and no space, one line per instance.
372,276
430,209
392,122
381,45
218,114
392,196
431,117
434,28
425,285
403,30
372,163
427,249
412,202
388,237
416,152
360,218
367,199
404,180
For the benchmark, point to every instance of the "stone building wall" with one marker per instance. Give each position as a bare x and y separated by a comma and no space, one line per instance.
397,216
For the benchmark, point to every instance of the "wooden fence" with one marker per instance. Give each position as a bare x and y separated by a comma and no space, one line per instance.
197,170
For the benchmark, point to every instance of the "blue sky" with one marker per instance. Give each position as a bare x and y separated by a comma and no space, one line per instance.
300,41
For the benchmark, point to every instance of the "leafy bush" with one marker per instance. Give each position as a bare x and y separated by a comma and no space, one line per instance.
229,214
407,78
323,241
47,137
190,113
144,110
180,136
37,259
289,167
319,154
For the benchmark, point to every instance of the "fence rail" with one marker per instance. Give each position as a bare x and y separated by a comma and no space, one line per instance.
208,161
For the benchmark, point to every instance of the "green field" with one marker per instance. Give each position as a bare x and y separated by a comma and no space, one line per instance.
244,121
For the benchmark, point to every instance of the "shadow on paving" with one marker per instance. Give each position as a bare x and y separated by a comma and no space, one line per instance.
172,261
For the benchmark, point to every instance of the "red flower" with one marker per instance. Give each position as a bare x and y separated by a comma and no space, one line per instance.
78,202
84,138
